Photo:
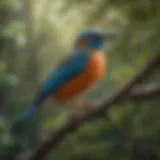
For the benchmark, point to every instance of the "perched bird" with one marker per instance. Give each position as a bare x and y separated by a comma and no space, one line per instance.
75,74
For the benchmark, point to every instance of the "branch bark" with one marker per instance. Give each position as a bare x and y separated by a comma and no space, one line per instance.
99,108
148,92
141,93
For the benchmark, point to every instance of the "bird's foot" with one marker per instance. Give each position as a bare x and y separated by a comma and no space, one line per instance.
80,108
83,106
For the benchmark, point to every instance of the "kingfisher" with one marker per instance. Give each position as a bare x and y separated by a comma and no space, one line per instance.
76,74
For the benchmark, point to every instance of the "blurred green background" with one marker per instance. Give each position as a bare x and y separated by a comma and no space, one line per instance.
36,34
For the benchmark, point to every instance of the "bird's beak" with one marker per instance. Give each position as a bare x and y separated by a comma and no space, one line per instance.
109,36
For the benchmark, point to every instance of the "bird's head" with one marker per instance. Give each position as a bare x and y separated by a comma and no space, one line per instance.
93,39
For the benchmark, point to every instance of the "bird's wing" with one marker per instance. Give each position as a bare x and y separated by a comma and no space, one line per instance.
65,72
65,60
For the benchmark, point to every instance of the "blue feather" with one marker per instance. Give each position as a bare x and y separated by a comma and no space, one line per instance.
66,72
28,112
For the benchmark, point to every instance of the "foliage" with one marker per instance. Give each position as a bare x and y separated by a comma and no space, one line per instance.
36,34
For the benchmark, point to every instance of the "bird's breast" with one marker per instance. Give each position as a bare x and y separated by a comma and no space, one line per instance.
96,66
93,72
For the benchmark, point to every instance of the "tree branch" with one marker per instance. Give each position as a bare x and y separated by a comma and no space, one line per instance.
100,108
151,91
139,93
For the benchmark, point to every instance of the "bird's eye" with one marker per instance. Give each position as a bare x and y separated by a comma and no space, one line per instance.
92,38
95,37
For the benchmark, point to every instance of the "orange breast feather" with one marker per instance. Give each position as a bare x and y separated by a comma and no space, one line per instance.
93,72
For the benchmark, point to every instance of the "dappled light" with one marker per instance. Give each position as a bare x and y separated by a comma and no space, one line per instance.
36,36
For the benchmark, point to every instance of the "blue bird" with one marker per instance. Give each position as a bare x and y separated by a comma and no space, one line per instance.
84,67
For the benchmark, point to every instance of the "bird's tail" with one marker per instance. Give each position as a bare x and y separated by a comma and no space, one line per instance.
19,122
29,112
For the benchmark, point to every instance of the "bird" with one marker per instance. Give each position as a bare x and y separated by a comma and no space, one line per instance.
76,73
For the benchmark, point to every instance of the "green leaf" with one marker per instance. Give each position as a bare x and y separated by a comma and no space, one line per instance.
4,3
3,67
